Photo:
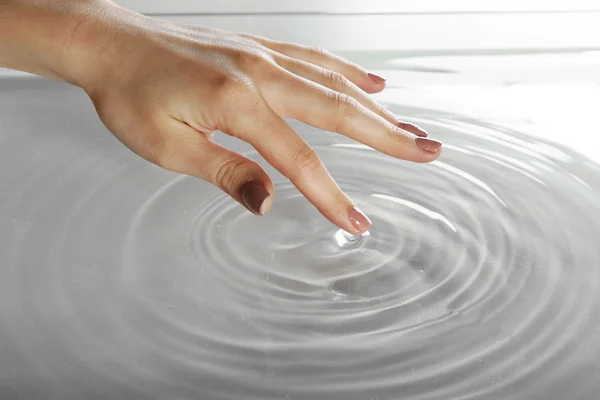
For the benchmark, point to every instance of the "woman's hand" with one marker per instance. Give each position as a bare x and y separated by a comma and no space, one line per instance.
164,89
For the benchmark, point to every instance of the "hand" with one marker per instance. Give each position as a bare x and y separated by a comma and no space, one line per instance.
164,89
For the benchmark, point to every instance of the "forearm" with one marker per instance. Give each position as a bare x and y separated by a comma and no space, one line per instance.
60,39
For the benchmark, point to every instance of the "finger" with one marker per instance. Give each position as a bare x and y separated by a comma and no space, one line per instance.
369,82
277,142
338,112
339,83
189,152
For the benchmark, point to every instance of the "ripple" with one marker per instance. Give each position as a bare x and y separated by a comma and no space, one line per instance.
479,279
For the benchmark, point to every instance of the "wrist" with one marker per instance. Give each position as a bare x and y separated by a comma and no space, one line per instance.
99,39
73,41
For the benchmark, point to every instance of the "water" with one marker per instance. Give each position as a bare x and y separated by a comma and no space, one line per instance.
480,278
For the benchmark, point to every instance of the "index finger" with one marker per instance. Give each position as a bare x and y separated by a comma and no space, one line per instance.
285,150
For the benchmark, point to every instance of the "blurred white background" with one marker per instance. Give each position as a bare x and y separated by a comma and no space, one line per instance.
544,80
343,25
356,6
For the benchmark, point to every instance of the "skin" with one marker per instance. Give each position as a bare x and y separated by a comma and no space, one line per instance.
163,90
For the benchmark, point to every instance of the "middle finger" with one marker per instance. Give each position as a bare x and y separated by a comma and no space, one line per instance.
334,111
338,82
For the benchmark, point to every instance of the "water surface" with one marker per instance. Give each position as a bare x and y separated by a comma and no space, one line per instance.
480,278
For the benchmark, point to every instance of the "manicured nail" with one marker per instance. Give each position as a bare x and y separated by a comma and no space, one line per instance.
420,132
376,78
429,145
359,220
255,196
412,128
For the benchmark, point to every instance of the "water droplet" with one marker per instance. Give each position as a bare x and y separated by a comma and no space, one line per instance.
345,239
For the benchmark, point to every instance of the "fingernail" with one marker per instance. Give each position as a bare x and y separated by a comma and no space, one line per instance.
254,196
410,127
359,220
376,78
429,145
420,132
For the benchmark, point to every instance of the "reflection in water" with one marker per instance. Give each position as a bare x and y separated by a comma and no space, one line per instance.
345,239
480,278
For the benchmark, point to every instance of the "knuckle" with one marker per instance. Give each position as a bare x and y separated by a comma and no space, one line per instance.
232,86
318,51
345,105
337,81
226,174
238,94
247,36
253,58
381,110
220,81
305,161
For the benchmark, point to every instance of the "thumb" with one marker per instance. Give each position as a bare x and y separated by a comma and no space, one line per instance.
193,153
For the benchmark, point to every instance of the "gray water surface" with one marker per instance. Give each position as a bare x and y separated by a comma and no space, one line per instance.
480,278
